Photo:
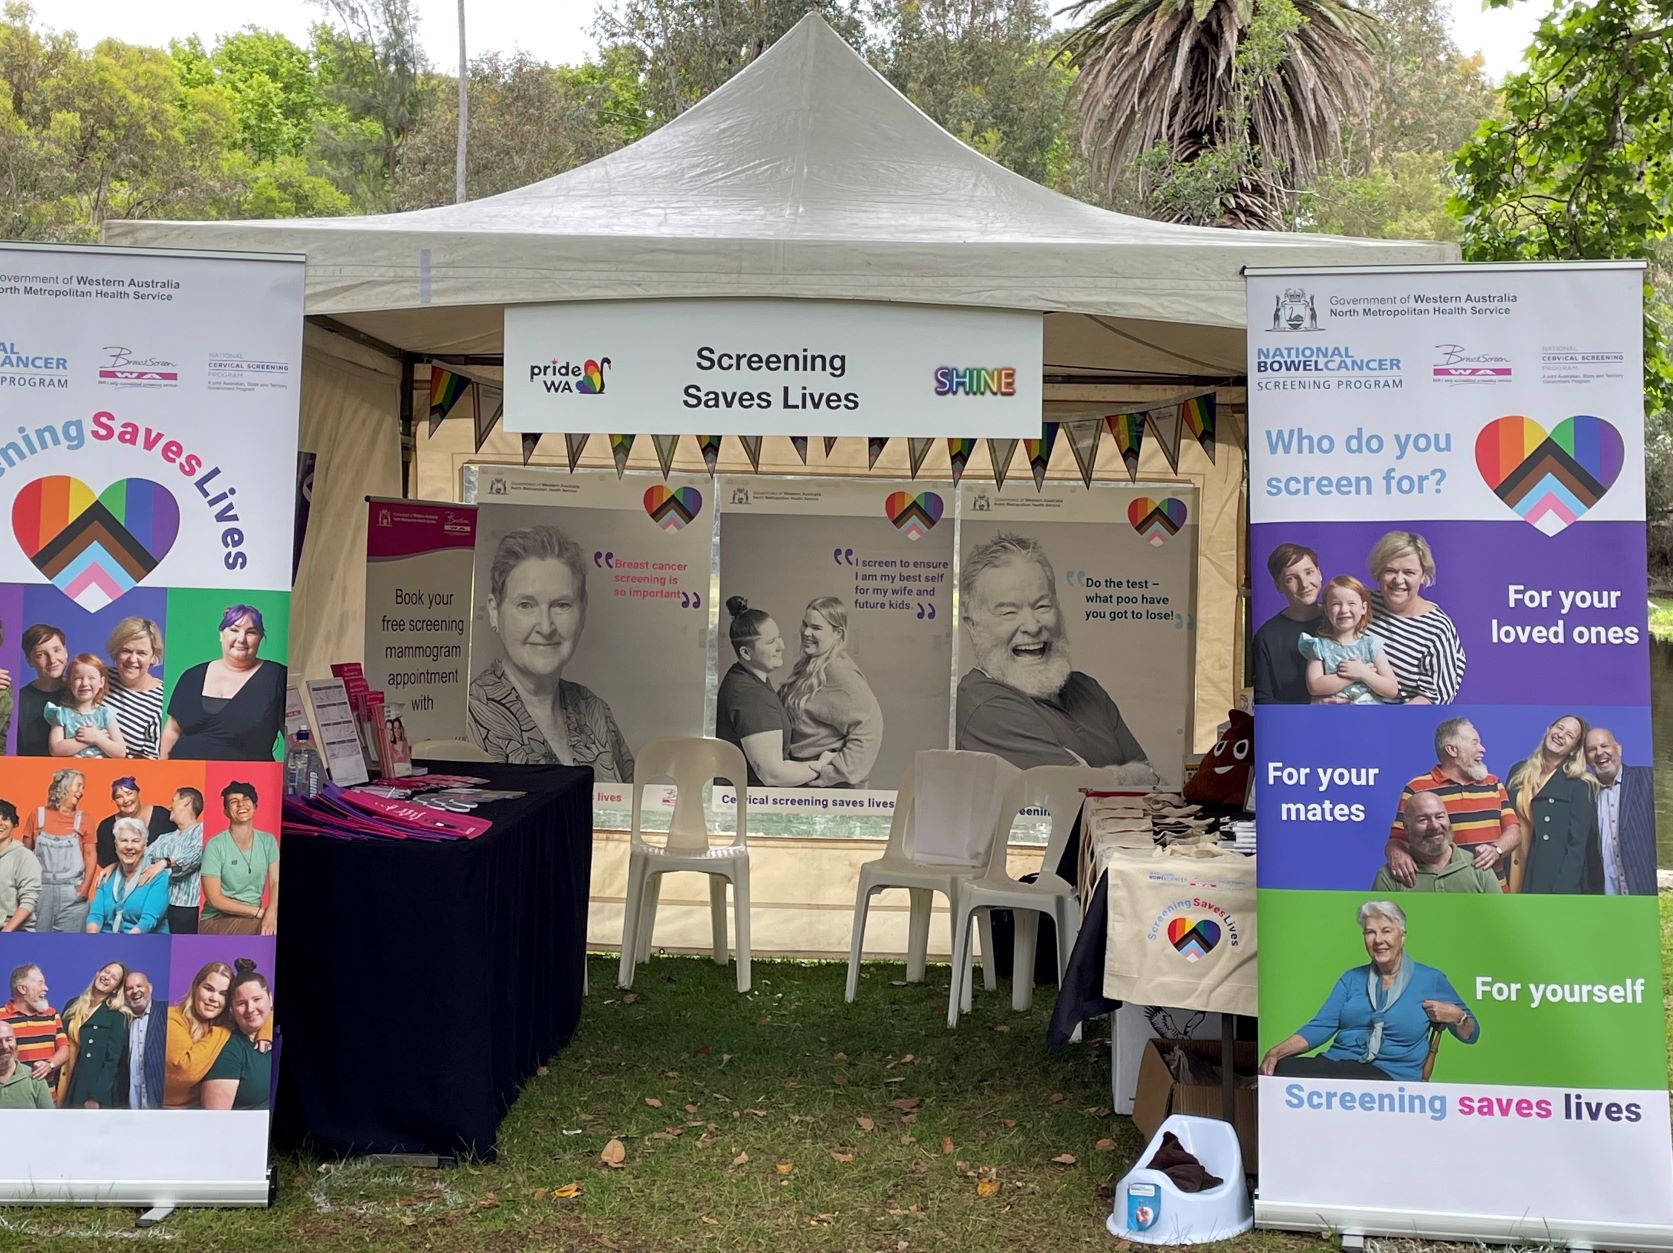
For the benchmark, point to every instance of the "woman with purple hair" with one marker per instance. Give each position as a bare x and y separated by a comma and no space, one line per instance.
232,708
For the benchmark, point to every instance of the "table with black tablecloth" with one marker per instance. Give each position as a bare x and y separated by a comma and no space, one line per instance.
418,983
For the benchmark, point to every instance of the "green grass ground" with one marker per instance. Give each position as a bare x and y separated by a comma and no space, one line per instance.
1661,618
784,1120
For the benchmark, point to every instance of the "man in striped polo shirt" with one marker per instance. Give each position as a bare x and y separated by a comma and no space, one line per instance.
41,1043
1483,822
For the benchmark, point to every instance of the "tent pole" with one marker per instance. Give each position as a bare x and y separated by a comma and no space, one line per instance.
406,427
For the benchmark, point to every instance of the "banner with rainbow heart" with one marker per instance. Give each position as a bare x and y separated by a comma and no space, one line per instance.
1453,766
147,479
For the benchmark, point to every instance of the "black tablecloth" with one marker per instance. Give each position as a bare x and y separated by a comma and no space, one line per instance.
418,984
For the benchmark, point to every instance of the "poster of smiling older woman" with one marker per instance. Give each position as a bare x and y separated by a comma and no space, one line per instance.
1075,609
590,628
836,633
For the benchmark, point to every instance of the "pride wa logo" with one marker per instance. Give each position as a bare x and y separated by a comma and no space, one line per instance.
583,378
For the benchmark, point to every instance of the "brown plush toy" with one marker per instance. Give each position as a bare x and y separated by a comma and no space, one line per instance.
1223,776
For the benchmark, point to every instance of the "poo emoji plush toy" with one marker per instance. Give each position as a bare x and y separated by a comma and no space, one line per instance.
1223,777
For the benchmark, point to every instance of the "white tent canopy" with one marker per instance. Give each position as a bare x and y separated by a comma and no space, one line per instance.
807,175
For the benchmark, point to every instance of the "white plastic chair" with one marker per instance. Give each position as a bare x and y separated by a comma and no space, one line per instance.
449,750
897,868
1057,790
689,763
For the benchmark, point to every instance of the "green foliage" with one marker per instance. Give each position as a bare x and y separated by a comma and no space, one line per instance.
369,65
1402,196
270,81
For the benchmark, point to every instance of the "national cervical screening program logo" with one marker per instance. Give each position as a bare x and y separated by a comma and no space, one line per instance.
27,365
560,376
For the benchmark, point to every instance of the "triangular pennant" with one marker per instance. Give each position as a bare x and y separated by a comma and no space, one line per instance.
1166,426
666,446
799,443
752,450
830,443
1000,452
1039,452
1127,429
574,446
490,405
916,451
620,448
958,451
709,446
530,443
1197,416
446,388
874,449
1084,434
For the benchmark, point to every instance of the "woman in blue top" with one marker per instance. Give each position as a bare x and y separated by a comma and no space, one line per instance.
127,901
1379,1013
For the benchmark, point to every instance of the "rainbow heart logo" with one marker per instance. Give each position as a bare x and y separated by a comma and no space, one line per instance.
1156,521
672,508
94,548
914,516
1193,940
1550,480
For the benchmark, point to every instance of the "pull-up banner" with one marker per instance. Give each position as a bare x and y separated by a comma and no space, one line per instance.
150,404
1460,955
761,367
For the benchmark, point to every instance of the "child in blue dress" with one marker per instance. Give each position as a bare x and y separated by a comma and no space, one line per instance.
84,726
1347,612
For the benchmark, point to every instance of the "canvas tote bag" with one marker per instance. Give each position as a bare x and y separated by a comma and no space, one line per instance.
1182,928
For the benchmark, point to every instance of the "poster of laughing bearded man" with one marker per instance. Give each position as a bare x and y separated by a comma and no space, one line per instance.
1024,700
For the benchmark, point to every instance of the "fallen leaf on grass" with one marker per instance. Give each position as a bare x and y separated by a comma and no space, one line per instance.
629,997
670,1074
692,1109
837,1155
987,1187
908,1059
614,1154
566,1192
702,1050
820,1220
895,1079
920,1167
712,1222
1065,1159
897,983
839,1080
1104,1146
740,1159
784,1168
608,1243
1002,1027
946,1145
840,1057
909,1118
865,1123
1056,1098
791,1083
1097,1111
904,1103
1009,1122
489,1201
542,1071
653,1102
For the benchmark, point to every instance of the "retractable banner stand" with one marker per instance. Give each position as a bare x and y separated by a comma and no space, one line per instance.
1447,507
145,474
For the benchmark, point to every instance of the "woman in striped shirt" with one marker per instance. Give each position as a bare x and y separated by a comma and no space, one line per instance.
1420,641
134,693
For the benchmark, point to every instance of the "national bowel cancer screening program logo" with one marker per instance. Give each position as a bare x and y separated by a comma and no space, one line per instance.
28,366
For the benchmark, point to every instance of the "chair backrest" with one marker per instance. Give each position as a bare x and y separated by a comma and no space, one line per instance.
1055,789
688,762
449,750
956,794
900,825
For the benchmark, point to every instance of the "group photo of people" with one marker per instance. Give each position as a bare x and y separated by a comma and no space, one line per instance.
93,685
133,1022
146,848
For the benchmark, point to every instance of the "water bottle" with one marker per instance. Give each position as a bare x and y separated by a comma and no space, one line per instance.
304,771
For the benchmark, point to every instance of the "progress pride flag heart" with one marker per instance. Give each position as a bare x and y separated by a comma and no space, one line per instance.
672,509
1193,940
1550,480
913,516
1156,521
94,548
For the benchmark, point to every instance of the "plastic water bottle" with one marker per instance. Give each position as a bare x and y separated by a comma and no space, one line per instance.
304,771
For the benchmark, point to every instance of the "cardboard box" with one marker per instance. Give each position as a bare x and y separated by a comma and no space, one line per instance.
1159,1094
1131,1030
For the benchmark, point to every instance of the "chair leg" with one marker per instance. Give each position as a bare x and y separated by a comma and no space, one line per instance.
856,942
917,934
647,917
717,916
1067,917
1022,960
961,959
631,905
740,904
990,970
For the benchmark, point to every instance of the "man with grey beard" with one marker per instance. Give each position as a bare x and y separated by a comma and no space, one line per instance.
1024,700
1481,818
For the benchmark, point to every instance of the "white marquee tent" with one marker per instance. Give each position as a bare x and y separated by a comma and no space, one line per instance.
805,176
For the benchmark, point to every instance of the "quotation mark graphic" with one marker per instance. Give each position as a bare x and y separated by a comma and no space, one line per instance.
922,607
691,600
604,560
1075,578
843,556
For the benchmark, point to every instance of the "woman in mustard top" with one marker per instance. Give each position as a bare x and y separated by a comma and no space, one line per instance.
197,1032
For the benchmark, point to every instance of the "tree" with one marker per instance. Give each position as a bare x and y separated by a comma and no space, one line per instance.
1173,78
272,85
369,64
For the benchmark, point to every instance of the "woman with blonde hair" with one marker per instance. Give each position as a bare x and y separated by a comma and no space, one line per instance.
830,705
135,694
196,1035
97,1024
1421,642
1555,799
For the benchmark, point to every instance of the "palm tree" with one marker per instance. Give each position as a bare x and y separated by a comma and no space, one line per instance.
1166,72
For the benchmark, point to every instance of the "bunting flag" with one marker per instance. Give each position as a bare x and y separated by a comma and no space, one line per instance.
574,445
446,388
1039,452
1197,416
752,450
1166,425
959,451
799,443
709,446
486,400
531,441
874,449
830,443
1084,434
916,451
666,446
1000,452
1127,429
620,447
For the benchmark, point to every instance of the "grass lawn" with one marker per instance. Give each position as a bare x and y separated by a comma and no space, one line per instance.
1661,618
784,1120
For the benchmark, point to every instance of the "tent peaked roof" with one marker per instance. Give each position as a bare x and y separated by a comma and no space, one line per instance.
806,175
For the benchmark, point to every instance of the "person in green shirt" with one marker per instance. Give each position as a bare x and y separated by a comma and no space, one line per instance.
239,866
241,1075
19,1089
1441,865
